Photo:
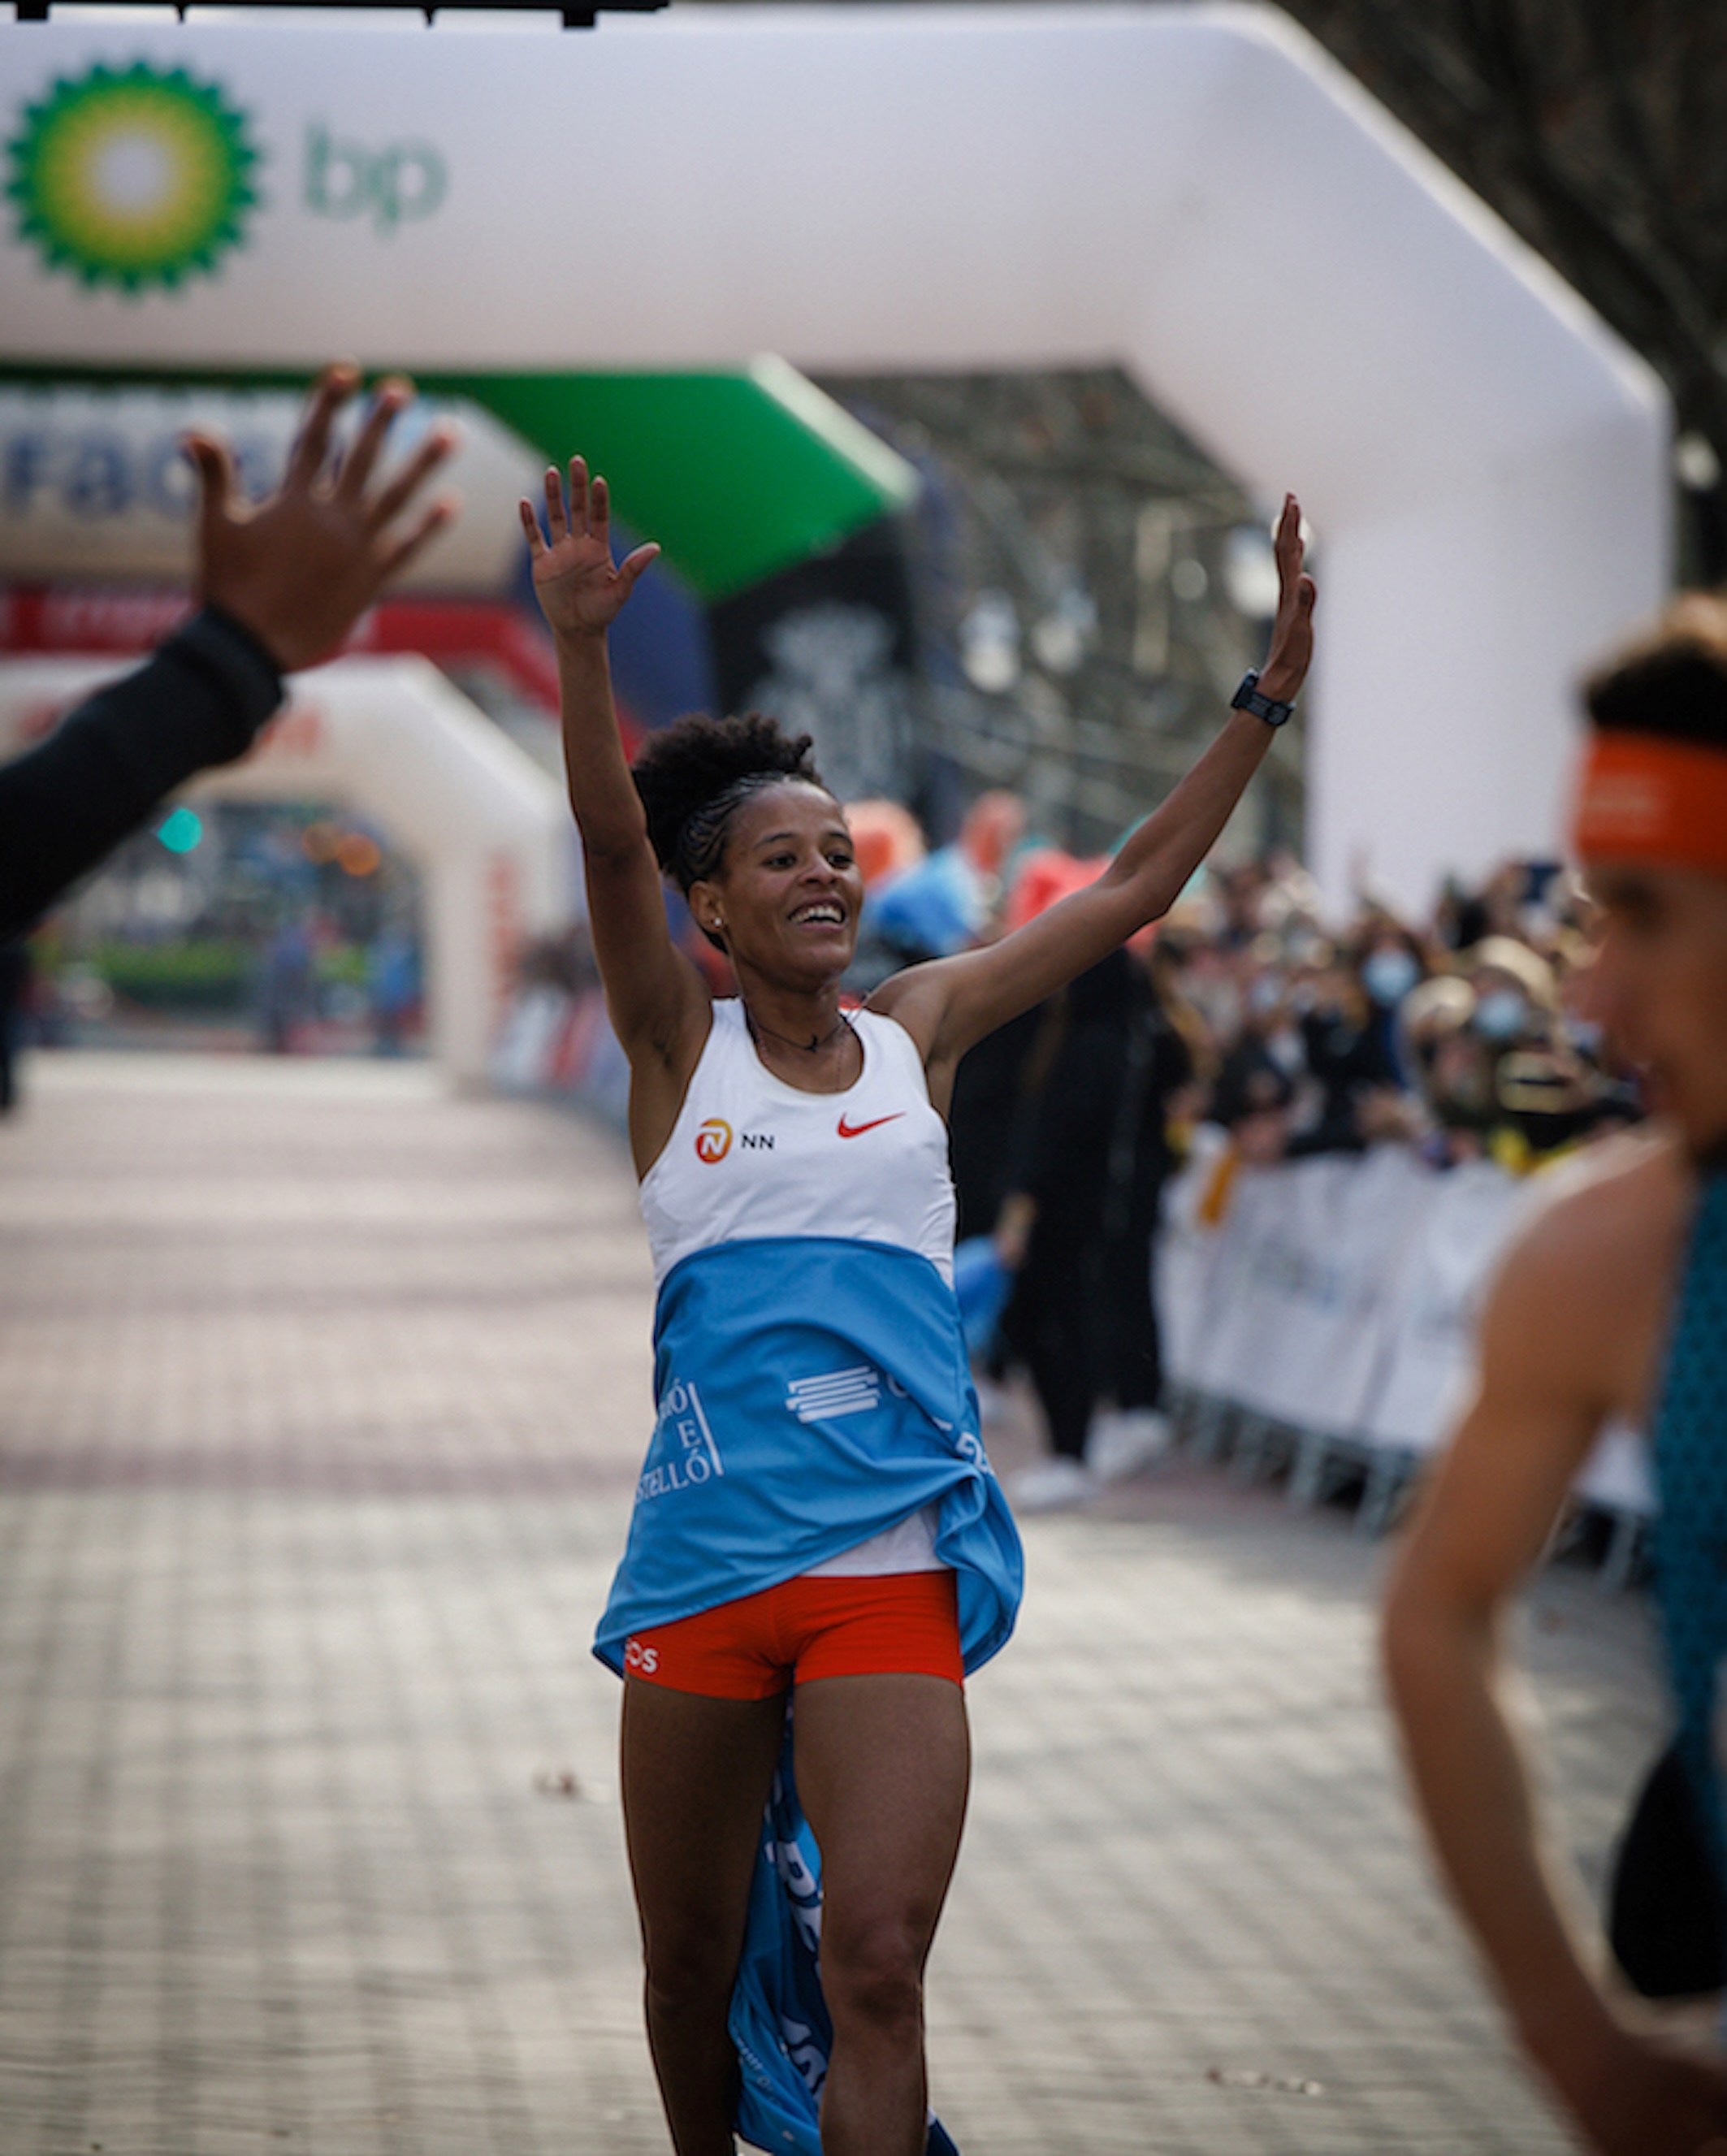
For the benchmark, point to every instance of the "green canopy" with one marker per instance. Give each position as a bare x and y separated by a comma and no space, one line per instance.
737,474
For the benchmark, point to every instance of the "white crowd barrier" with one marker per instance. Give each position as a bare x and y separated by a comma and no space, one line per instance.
1335,1300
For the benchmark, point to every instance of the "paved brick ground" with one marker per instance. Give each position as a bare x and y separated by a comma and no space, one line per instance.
320,1398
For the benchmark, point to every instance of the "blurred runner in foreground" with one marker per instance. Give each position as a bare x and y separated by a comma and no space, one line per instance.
1612,1305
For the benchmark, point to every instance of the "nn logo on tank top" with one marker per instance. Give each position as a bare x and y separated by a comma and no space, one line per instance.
713,1140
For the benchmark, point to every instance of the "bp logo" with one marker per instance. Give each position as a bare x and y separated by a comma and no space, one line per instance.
135,177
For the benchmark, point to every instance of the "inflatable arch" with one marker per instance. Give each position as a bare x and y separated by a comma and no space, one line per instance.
1194,192
490,832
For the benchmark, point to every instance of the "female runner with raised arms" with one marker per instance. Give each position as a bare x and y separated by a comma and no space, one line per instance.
817,1510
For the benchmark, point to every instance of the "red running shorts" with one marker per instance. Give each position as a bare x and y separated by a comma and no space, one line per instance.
875,1625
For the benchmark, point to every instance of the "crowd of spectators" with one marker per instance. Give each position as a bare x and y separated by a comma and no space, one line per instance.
1465,1036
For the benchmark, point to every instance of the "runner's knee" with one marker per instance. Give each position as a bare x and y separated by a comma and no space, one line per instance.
688,1974
874,1972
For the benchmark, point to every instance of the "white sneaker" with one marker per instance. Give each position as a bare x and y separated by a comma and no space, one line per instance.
1126,1443
1053,1486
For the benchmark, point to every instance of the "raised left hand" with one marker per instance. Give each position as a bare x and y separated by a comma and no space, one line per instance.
1291,652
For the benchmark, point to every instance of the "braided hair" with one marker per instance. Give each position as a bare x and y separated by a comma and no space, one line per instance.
694,776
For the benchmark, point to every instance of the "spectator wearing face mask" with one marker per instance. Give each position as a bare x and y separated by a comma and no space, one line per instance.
1391,966
1545,1092
1516,995
1353,1067
1450,1066
1269,1020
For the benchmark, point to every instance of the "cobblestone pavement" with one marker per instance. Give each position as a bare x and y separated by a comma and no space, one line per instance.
323,1393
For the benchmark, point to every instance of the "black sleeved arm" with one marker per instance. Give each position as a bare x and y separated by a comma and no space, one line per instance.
200,699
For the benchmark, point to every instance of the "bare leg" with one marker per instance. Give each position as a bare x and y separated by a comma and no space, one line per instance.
883,1764
696,1777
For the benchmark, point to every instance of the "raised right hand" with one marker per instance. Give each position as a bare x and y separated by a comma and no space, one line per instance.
580,589
1291,652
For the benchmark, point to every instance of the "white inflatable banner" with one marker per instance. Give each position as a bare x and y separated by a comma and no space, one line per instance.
1195,194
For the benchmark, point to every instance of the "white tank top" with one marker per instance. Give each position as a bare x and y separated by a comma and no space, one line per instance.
750,1156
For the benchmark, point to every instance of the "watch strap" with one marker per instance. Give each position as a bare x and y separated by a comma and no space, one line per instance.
1247,698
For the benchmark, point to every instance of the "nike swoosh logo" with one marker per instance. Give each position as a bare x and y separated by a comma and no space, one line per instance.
856,1130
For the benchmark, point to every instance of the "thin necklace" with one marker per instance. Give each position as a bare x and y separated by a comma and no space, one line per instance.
818,1041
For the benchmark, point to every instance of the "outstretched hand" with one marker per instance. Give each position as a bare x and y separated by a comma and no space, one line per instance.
299,569
580,589
1291,652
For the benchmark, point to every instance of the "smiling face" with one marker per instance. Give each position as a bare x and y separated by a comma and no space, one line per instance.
786,899
1658,987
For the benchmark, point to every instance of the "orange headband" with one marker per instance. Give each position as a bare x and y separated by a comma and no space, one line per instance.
1643,797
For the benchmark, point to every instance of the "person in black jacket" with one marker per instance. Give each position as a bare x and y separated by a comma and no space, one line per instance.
278,585
1080,1316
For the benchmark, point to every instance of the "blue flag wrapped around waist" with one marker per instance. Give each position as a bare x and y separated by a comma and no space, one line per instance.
778,2022
811,1392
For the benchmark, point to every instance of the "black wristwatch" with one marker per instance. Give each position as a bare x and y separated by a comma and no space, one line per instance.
1247,698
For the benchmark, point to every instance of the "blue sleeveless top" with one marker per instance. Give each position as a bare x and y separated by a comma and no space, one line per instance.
1690,1534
